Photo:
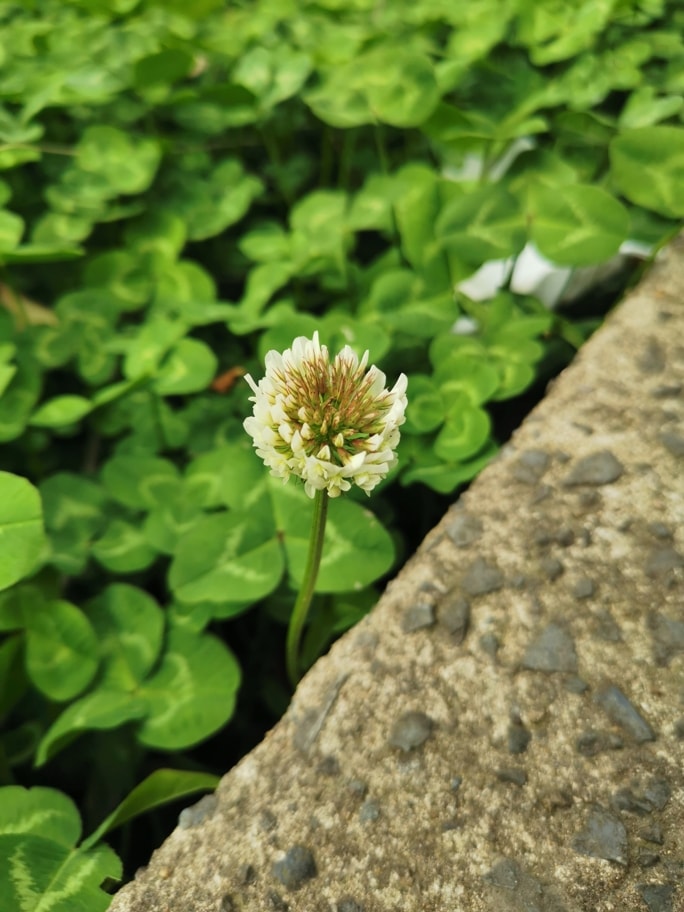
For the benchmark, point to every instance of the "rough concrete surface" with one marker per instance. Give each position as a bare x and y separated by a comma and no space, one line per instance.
505,731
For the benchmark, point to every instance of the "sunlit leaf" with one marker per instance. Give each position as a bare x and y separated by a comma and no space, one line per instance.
192,693
647,166
21,528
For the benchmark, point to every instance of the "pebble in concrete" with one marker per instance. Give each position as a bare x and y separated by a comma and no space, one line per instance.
626,800
350,905
329,766
295,868
197,813
660,530
583,588
662,561
574,684
513,774
482,577
647,859
658,897
357,787
464,529
602,836
599,468
673,442
369,811
454,615
515,890
553,650
552,568
418,616
622,712
518,737
606,628
590,743
490,643
652,833
530,466
411,730
658,792
667,391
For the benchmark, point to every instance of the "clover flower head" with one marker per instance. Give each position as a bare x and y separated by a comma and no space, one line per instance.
331,423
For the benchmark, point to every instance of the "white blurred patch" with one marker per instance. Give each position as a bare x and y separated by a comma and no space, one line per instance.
465,326
488,279
530,273
534,275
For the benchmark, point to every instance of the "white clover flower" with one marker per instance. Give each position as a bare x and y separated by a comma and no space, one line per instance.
330,423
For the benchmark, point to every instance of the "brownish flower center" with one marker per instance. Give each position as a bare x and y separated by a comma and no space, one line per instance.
332,405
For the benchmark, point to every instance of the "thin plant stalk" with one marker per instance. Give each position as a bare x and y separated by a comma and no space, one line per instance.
306,591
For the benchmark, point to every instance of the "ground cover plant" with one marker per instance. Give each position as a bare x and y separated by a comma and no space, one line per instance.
184,187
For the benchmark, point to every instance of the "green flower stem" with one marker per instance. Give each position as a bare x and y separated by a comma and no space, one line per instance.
301,608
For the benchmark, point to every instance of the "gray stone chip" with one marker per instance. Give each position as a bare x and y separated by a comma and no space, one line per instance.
673,442
530,466
329,766
296,867
454,615
662,561
599,468
658,897
518,738
196,814
349,905
513,774
411,730
658,792
464,530
369,811
622,712
667,391
357,787
515,890
660,530
490,643
246,874
482,577
590,743
552,568
606,628
418,616
553,650
626,800
583,588
505,873
602,836
653,833
647,859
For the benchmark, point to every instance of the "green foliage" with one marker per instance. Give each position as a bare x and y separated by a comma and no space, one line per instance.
40,830
21,528
186,186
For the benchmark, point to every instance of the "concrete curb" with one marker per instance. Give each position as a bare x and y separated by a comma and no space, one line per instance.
505,731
